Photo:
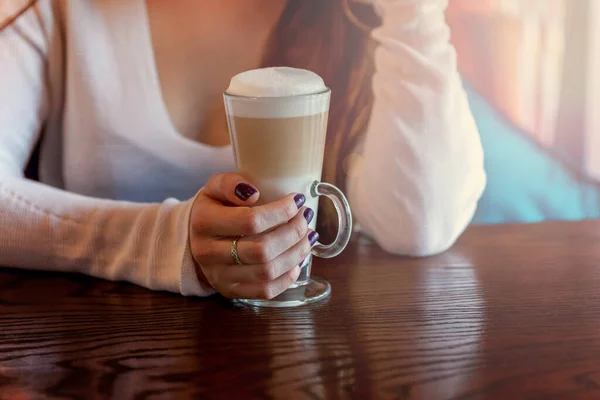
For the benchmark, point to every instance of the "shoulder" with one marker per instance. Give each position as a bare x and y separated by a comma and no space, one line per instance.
67,15
26,15
11,10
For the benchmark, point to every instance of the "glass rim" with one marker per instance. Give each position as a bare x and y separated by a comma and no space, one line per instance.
296,96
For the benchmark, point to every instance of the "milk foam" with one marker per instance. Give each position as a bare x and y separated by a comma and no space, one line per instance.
277,92
276,82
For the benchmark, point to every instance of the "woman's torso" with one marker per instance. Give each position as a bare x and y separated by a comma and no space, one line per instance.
124,135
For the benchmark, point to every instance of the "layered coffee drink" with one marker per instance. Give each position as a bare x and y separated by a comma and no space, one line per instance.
279,143
278,122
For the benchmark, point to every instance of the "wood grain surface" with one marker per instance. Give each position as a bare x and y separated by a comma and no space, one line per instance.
511,312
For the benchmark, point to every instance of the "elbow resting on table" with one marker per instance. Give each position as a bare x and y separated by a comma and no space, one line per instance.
416,230
424,240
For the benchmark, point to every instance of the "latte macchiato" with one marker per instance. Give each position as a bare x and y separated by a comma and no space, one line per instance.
278,122
279,144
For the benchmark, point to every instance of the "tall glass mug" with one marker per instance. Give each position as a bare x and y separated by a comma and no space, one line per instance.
278,122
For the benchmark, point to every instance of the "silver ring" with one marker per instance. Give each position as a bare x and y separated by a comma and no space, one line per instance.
234,251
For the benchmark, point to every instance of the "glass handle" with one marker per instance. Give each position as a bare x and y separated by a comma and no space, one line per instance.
344,220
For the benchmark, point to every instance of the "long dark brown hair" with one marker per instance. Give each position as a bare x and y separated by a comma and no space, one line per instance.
332,39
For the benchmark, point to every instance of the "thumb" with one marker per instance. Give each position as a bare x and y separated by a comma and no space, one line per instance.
231,188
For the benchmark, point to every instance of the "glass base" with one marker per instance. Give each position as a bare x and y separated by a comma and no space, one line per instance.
312,291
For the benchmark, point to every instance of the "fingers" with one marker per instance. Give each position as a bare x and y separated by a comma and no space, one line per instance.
262,248
215,219
266,247
230,188
266,290
271,270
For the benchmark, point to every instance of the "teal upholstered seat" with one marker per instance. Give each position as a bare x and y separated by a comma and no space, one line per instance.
527,183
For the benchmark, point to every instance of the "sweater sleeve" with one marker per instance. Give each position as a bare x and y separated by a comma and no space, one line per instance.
421,173
46,228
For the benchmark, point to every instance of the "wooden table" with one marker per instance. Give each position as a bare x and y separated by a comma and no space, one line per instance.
511,312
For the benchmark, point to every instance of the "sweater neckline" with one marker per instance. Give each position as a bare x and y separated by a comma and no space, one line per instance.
150,71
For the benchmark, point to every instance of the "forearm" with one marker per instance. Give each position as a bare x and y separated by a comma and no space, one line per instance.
422,171
146,244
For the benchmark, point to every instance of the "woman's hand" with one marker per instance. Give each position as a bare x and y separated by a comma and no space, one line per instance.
276,238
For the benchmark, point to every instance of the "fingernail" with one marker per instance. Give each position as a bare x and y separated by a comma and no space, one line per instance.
244,191
300,199
313,237
309,215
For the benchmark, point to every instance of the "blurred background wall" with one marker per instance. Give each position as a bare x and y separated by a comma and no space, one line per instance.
533,72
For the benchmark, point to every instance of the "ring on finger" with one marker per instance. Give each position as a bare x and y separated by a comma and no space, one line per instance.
234,251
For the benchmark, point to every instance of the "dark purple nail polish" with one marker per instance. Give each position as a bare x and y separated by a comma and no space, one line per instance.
244,191
300,199
308,215
313,237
